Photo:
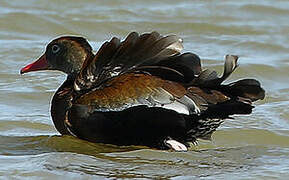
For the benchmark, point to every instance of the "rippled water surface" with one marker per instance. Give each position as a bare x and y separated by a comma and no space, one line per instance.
254,146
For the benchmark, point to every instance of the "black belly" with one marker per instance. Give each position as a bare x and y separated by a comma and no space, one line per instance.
138,125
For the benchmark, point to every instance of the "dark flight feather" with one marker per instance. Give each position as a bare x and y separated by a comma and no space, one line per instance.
115,57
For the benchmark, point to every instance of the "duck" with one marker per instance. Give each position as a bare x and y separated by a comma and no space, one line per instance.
141,91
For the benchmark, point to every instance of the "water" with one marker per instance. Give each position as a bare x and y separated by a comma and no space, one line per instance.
248,147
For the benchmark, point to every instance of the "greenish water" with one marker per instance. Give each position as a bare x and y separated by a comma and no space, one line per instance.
248,147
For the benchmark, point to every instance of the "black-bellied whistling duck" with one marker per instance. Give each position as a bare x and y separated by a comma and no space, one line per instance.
141,91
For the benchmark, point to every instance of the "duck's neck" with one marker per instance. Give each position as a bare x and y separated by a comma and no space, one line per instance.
61,102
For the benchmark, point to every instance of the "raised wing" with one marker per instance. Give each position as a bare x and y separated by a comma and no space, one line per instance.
149,70
116,57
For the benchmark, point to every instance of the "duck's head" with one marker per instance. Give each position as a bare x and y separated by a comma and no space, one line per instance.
65,54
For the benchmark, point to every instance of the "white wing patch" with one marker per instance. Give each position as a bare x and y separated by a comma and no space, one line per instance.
178,107
158,98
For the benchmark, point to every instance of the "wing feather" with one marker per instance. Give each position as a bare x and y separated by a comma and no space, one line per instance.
133,89
115,57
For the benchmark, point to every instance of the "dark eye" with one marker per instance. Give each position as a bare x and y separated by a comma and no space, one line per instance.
55,48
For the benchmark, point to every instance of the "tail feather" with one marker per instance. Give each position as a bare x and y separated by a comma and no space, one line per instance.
247,88
219,101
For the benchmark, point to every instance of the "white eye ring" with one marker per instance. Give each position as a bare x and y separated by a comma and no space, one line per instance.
55,48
